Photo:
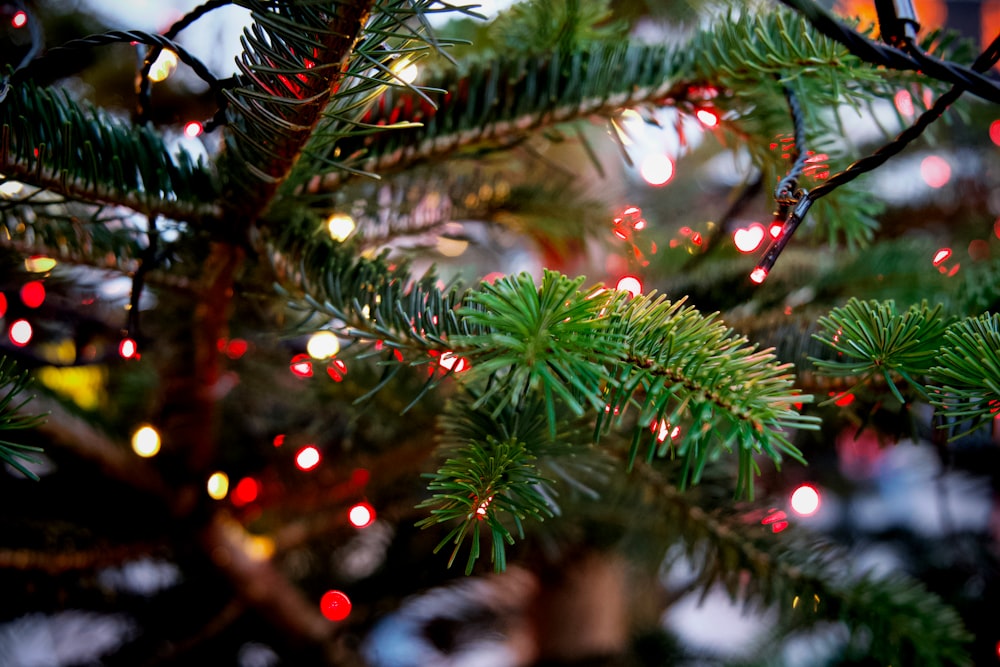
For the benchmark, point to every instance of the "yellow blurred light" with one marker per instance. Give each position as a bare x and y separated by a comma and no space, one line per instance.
163,66
323,345
11,188
84,385
39,264
218,485
340,226
146,442
258,547
451,247
405,70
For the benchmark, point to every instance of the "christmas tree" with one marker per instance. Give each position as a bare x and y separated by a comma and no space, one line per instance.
421,337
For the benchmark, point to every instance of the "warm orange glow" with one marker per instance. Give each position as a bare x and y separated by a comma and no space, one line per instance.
361,515
323,345
930,13
146,441
163,66
218,485
805,500
307,458
335,605
748,239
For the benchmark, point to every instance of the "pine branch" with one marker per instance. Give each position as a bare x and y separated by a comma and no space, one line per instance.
13,418
964,385
52,142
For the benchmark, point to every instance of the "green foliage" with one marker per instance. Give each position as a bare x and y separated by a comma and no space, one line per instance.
874,339
12,417
549,25
484,483
964,383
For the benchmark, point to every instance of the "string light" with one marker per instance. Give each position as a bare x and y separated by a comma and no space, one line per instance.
307,458
748,239
335,605
39,264
776,519
361,515
337,370
193,129
941,255
707,117
758,275
163,66
995,132
3,304
657,169
805,500
20,333
246,491
340,226
629,284
406,71
323,345
218,485
33,294
301,366
935,171
146,441
904,102
127,349
19,20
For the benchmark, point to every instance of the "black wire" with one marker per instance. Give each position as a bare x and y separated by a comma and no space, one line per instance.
784,192
37,38
145,85
893,58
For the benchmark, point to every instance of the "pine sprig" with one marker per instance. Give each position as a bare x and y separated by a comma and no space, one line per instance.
873,338
964,383
13,383
699,390
485,483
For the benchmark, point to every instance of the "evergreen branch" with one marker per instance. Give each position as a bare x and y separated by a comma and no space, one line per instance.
965,386
52,142
483,483
804,580
12,417
874,339
700,389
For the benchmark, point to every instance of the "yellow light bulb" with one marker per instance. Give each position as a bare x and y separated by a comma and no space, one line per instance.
218,485
323,345
340,226
163,66
146,442
405,70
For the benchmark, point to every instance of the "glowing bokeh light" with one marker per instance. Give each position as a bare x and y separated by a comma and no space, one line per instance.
146,441
193,129
340,226
707,117
775,229
404,69
3,304
904,102
663,430
335,605
748,239
218,485
301,366
337,370
758,275
236,348
33,294
163,66
979,250
657,169
454,363
20,19
776,519
629,284
361,515
307,458
323,345
20,333
39,264
995,132
127,349
941,255
935,171
279,440
450,247
805,500
245,491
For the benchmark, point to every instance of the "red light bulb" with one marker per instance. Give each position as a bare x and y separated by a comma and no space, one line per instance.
335,605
